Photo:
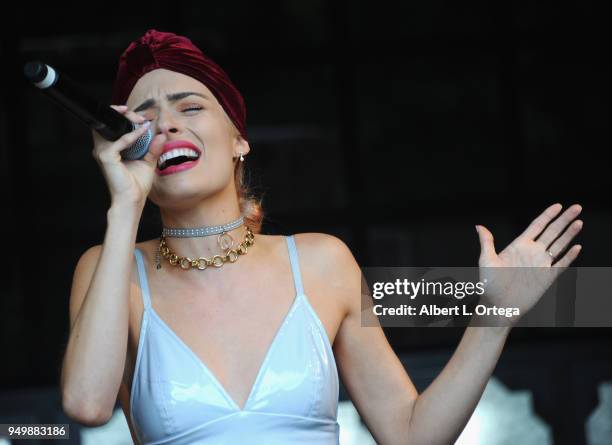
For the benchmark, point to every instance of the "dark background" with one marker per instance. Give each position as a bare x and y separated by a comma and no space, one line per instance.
395,126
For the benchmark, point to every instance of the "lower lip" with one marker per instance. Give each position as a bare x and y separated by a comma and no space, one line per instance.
176,168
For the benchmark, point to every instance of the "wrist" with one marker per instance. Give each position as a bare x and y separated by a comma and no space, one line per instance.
493,319
124,211
492,333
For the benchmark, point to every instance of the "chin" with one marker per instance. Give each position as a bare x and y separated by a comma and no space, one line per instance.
180,199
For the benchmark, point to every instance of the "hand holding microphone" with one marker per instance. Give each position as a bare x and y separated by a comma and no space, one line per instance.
128,182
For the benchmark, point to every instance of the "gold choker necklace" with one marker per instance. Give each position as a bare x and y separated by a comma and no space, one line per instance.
202,263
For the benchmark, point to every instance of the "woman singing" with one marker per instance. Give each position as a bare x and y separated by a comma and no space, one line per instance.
216,333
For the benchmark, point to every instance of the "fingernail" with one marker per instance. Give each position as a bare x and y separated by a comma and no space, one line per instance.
476,226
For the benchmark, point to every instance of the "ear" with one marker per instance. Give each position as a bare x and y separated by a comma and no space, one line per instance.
240,145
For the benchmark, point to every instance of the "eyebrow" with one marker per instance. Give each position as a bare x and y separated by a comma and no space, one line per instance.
170,97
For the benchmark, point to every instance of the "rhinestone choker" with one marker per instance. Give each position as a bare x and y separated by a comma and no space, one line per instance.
202,231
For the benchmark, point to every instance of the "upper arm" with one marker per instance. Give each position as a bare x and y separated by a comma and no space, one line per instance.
373,375
81,279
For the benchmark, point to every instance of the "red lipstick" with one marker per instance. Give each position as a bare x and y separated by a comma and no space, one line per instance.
171,145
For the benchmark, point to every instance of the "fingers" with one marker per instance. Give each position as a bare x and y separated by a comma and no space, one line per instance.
552,232
487,246
155,148
538,224
134,117
563,241
569,257
105,152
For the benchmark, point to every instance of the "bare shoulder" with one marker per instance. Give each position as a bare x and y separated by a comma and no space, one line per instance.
83,276
321,244
330,258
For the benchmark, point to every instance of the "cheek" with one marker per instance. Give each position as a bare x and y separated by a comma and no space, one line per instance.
217,162
217,144
213,128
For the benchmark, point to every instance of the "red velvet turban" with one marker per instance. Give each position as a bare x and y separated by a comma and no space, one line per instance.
177,53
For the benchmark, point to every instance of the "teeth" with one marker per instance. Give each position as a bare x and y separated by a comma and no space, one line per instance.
176,153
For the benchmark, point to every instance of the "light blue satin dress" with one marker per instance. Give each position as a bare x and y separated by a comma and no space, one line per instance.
175,399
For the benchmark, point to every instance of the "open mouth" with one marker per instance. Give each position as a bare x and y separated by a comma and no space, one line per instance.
176,161
171,160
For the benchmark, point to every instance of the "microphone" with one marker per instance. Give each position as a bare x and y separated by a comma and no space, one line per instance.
110,124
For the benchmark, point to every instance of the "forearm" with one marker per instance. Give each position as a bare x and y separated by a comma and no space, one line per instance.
441,412
95,354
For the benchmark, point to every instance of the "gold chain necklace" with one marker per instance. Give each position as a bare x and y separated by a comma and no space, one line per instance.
202,263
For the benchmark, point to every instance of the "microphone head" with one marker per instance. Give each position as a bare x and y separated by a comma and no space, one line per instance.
40,74
139,148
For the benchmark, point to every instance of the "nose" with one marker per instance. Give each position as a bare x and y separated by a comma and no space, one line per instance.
166,123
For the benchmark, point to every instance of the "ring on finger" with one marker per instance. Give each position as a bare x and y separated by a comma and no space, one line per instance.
552,256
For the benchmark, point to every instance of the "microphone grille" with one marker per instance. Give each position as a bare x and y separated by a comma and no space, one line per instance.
139,148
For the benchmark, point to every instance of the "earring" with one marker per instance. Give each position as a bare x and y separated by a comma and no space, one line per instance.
241,157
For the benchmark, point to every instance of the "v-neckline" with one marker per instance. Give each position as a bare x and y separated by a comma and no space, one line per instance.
299,293
209,372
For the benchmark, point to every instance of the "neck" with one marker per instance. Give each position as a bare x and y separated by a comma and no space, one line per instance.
207,213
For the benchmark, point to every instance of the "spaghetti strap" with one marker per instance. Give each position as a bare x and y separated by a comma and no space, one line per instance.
295,267
142,277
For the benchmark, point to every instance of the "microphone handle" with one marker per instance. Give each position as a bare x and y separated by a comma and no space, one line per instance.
110,124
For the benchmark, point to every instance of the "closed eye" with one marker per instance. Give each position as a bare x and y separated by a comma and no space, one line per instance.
186,109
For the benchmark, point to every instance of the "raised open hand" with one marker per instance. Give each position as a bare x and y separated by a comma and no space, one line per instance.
519,275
